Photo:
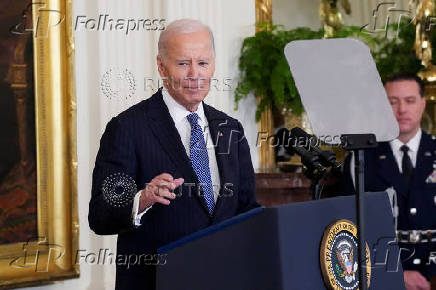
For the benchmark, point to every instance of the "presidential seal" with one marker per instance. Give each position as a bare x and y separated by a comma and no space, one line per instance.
338,256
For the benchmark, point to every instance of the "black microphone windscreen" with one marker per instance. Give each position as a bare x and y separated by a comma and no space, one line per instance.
298,132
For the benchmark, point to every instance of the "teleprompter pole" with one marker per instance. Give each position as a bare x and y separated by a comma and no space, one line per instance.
358,143
359,174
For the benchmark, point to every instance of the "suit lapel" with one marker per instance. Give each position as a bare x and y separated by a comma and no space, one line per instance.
424,160
221,132
388,166
165,131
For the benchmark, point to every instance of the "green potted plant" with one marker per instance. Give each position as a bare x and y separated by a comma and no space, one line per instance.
265,72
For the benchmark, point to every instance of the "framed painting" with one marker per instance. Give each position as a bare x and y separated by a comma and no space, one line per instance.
38,165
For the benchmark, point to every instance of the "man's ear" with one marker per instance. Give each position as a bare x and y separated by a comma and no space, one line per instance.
160,66
425,103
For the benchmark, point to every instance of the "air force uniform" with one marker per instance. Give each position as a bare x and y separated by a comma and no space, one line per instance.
415,194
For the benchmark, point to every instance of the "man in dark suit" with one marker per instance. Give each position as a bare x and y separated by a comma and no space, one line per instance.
408,164
190,162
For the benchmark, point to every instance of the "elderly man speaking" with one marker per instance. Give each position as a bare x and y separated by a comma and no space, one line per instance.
169,165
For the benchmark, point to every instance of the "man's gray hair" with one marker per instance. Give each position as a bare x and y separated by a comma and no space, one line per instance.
182,26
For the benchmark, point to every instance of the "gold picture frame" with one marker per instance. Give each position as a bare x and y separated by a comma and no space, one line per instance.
50,256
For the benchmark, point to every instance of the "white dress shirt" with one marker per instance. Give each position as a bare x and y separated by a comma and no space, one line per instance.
396,144
179,115
413,145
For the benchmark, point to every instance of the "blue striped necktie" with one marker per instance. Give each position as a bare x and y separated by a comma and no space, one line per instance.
200,160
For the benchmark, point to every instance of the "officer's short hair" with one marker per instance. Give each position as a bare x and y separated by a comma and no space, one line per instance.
406,76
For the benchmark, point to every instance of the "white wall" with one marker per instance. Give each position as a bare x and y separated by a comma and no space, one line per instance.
96,52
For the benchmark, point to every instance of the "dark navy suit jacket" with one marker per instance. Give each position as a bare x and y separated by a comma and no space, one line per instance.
381,172
143,142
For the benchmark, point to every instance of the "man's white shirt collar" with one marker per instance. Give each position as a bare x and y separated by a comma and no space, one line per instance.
178,112
413,143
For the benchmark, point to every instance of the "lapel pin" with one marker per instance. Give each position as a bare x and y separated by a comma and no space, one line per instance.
427,153
381,157
220,133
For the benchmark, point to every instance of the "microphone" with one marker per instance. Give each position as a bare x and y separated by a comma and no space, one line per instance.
318,162
327,158
309,159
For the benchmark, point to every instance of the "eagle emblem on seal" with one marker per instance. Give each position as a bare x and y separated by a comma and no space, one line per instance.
345,256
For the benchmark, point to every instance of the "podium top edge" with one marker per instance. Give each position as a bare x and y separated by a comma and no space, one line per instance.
210,230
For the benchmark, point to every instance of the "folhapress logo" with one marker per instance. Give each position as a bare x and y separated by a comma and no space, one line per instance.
38,254
41,23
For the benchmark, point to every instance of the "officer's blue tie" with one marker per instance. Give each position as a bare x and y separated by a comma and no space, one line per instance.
200,160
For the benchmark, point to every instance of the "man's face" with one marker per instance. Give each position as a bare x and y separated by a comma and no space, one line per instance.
188,65
407,104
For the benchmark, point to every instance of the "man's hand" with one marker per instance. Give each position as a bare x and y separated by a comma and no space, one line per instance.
159,190
415,281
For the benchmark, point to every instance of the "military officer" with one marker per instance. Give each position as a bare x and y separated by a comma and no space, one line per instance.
408,164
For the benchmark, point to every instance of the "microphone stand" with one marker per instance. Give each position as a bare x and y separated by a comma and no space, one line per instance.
325,159
314,177
314,169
